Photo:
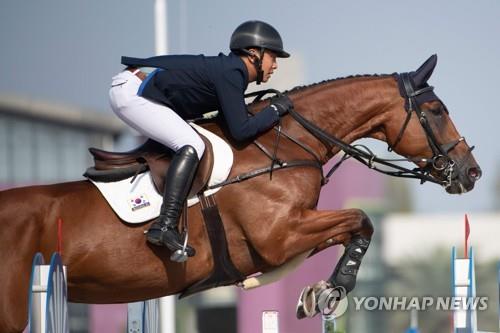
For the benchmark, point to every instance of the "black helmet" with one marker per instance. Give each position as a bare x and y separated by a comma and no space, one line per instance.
257,34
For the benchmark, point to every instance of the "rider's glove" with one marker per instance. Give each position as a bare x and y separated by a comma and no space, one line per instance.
281,105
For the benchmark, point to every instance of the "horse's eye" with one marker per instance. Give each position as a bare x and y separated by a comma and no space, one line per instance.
437,111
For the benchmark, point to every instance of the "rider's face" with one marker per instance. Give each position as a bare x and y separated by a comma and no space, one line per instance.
269,65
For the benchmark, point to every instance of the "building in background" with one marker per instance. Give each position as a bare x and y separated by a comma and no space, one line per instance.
43,142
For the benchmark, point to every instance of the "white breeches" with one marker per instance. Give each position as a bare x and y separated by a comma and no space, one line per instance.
153,120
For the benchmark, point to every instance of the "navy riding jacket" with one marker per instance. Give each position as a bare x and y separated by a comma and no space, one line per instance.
193,85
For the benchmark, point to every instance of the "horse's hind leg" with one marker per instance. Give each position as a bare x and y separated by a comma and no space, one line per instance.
17,245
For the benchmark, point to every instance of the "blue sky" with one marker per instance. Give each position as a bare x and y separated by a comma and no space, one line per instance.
68,50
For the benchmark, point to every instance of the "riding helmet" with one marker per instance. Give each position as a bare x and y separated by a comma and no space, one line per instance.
257,34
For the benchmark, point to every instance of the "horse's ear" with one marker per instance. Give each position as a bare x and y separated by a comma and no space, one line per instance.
424,72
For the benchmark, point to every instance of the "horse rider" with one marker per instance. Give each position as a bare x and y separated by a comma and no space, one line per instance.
185,87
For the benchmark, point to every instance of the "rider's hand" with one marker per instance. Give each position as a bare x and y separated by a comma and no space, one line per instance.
281,104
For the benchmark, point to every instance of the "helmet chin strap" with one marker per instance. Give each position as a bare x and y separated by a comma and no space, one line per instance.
258,67
258,64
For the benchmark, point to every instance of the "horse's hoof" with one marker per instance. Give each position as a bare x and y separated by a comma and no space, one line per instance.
320,290
317,299
308,305
303,306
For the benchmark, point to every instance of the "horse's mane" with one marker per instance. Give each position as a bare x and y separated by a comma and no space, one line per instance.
356,76
304,87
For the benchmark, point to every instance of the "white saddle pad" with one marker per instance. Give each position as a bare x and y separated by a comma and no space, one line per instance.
140,202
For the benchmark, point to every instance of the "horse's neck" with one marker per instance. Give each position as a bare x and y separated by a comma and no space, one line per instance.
348,109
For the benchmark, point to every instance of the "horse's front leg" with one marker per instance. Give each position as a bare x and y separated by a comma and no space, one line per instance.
350,227
306,230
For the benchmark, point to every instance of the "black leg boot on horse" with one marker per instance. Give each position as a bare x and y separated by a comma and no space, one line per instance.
178,182
325,294
346,271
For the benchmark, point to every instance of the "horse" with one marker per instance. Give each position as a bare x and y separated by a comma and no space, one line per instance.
268,221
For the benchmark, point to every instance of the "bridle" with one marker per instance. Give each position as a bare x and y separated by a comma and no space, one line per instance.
440,160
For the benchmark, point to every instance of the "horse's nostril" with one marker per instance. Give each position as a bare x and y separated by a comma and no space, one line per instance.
474,173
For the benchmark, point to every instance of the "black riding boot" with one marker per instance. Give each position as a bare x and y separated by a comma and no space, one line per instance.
178,182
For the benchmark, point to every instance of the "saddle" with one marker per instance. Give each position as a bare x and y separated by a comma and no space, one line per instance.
152,156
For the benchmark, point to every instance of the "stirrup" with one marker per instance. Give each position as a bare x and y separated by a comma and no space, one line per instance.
180,255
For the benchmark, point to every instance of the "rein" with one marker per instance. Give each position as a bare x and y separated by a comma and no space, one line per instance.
362,154
358,152
440,160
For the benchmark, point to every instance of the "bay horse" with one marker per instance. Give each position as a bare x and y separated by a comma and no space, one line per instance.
268,222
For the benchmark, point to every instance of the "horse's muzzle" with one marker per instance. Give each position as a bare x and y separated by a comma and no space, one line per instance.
465,180
474,173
